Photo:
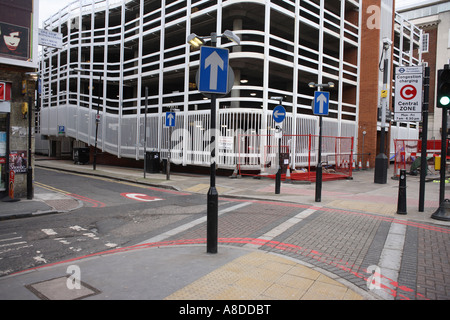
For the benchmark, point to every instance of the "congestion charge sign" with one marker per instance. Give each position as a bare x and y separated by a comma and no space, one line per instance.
408,94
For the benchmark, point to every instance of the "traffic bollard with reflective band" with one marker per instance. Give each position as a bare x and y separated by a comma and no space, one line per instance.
401,203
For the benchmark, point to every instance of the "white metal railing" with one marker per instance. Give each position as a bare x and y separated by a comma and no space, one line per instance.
189,141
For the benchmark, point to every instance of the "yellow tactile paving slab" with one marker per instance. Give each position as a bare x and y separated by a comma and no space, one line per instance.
261,275
371,207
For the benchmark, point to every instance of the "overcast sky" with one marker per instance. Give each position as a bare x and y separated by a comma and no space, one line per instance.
50,7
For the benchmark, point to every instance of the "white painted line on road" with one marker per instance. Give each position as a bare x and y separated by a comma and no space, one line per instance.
282,227
191,224
49,232
15,238
391,259
12,244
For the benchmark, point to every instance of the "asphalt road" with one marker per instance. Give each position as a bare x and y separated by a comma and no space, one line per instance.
113,214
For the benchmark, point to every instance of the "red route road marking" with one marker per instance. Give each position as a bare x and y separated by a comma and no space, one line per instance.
95,203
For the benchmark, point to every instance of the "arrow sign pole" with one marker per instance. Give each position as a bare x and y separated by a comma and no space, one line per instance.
214,62
214,70
171,118
321,100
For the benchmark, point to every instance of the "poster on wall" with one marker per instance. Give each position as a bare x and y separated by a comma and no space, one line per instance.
18,32
18,161
2,144
14,42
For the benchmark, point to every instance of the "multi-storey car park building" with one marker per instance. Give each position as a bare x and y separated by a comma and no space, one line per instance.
127,47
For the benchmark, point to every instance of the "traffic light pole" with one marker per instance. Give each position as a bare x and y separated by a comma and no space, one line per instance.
443,102
442,213
423,155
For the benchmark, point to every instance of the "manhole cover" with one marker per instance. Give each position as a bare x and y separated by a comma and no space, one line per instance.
57,289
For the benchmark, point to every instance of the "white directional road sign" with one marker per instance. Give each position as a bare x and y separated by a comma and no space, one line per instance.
170,119
279,113
321,103
214,64
408,94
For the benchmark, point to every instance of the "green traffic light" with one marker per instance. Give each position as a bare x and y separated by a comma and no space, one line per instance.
445,101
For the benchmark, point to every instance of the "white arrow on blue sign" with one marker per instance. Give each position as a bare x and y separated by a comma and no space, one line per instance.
170,119
213,76
279,114
321,103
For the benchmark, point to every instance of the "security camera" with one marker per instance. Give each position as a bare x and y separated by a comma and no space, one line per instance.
386,43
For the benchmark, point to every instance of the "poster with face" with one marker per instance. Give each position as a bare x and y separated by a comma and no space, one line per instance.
18,161
14,41
16,29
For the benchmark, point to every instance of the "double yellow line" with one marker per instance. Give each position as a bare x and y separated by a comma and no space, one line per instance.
41,185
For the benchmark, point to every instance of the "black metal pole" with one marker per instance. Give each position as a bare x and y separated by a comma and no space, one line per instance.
278,175
212,229
213,196
381,160
401,201
97,120
30,192
145,132
319,165
441,213
423,155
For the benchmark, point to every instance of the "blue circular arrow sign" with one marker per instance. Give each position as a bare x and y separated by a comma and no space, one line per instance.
279,114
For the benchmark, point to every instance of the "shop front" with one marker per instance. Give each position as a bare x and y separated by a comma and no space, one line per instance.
3,151
5,109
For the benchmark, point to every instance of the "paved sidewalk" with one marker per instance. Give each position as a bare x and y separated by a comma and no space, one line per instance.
174,270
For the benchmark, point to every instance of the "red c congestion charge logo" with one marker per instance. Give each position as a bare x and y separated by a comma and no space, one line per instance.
140,197
408,92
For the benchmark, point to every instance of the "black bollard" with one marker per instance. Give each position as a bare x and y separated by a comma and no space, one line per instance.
401,203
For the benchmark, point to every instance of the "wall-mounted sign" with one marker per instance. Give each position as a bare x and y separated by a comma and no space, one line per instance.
50,39
5,91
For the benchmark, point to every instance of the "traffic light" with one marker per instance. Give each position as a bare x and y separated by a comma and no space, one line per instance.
443,88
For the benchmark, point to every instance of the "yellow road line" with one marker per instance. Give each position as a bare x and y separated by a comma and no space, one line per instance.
51,188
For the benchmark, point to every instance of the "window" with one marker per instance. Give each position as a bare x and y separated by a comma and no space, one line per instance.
425,42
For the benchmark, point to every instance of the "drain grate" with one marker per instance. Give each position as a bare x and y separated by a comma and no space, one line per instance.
57,289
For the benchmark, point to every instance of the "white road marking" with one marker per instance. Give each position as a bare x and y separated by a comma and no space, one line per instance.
49,232
191,224
282,227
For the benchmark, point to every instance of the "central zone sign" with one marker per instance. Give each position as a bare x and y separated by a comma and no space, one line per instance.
408,94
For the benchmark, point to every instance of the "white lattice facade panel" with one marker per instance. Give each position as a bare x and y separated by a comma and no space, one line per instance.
127,46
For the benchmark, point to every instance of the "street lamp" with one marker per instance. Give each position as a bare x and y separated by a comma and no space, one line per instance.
318,197
213,197
196,41
381,160
97,118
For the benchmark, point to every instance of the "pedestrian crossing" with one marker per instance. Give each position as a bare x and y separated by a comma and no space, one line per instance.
10,246
16,251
